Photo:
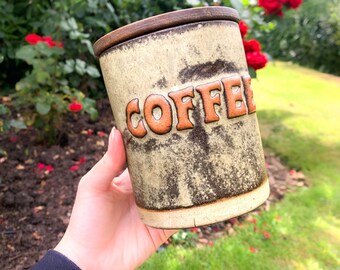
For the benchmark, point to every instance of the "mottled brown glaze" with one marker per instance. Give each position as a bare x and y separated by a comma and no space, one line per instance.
182,98
196,164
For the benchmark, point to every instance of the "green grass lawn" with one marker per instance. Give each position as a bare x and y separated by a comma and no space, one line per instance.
299,115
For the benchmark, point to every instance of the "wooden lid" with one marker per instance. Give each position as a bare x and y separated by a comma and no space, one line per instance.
161,22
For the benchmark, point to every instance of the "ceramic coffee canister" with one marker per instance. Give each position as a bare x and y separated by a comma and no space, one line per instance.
181,95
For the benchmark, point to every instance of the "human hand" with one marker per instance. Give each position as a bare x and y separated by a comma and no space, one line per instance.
105,231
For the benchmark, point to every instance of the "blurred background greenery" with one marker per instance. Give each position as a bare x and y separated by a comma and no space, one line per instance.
308,36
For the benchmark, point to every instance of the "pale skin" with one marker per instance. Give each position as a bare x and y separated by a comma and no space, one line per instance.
105,231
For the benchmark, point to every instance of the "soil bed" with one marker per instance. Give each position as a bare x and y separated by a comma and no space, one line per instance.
38,186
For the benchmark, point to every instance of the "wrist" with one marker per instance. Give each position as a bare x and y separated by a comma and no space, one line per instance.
70,251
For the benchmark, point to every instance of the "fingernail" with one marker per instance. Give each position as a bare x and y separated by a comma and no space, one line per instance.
113,131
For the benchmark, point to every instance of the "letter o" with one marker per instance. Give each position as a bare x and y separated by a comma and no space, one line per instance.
164,123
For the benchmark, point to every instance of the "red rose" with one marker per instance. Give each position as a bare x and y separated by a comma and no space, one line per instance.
243,28
271,7
294,4
41,166
49,168
48,40
251,45
74,168
75,107
59,44
256,60
82,160
33,39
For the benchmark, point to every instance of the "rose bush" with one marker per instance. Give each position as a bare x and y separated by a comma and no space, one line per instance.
46,86
275,7
271,7
256,60
252,48
308,36
33,39
258,17
58,65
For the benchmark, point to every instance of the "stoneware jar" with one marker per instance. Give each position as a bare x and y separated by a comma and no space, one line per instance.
181,95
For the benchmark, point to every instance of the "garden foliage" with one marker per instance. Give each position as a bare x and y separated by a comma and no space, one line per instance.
75,23
47,65
310,36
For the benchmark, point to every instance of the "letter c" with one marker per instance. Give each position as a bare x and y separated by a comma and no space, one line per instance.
132,108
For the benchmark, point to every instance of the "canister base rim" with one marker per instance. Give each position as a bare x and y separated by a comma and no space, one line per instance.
206,214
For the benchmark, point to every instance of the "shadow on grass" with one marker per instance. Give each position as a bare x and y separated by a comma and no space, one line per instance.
319,160
296,149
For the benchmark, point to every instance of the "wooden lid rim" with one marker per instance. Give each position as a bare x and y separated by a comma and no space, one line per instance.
163,21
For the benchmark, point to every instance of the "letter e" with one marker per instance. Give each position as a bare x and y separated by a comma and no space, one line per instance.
233,94
249,94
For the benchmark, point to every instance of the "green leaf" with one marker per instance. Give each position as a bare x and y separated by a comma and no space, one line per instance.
1,58
58,51
72,23
110,7
68,67
66,91
93,72
88,45
92,4
22,85
18,124
252,72
42,76
93,113
245,2
283,44
75,34
88,103
65,26
4,125
44,49
42,108
4,109
80,67
26,53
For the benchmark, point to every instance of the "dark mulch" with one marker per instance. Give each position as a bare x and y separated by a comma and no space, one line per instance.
35,204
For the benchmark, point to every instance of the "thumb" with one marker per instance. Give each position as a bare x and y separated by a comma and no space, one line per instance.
122,183
99,178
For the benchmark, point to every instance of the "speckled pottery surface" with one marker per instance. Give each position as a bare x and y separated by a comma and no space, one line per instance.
181,95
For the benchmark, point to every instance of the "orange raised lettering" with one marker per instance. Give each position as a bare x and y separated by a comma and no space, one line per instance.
209,101
234,99
132,108
248,91
163,123
182,107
